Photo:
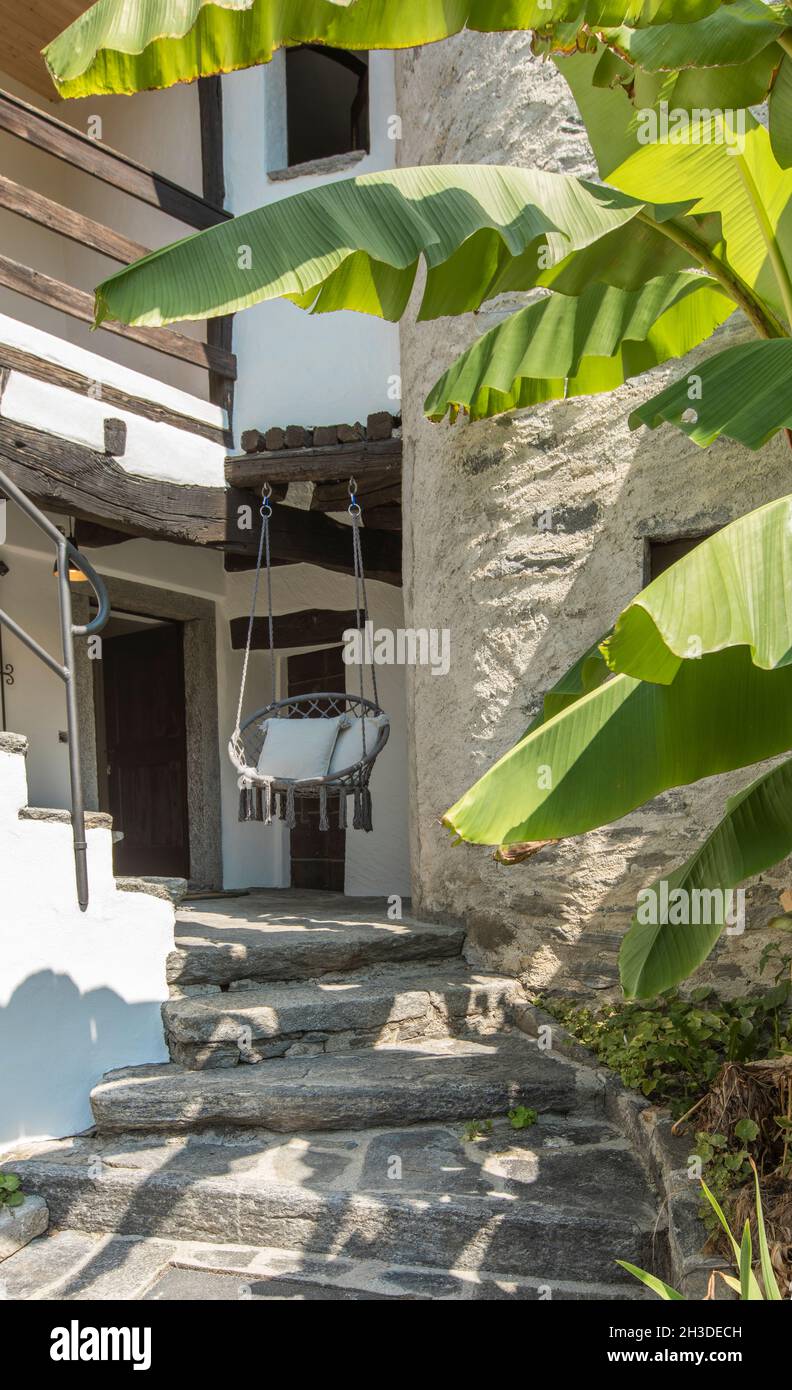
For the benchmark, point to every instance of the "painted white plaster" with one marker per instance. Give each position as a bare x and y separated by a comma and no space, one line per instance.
153,449
296,368
252,854
27,337
80,993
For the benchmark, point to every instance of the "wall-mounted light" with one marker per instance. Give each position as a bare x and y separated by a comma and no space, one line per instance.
76,575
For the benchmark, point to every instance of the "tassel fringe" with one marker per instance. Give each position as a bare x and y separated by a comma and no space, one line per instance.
324,823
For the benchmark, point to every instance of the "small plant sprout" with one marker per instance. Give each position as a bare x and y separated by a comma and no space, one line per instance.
522,1117
477,1129
11,1194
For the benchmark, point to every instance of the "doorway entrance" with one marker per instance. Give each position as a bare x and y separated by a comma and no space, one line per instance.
317,856
140,705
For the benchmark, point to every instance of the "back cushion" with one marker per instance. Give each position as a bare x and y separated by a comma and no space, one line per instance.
295,749
349,746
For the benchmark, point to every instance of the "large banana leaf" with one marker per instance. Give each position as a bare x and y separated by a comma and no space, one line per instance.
754,834
744,392
734,589
356,244
735,176
561,347
732,59
623,743
132,45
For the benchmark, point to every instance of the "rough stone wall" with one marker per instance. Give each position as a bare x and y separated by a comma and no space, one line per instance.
523,603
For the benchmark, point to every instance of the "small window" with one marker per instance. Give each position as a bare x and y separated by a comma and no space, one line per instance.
664,554
326,102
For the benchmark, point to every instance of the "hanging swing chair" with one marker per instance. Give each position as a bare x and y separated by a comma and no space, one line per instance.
314,746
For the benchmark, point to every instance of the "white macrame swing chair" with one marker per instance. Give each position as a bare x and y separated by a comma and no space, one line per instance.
314,746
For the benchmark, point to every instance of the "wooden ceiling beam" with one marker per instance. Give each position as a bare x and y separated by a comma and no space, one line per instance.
63,476
316,465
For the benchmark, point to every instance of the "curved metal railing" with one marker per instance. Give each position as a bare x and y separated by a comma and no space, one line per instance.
66,554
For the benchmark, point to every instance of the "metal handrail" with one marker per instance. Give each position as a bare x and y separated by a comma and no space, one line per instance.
66,554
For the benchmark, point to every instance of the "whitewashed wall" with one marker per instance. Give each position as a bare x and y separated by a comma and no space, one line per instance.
253,854
295,368
80,993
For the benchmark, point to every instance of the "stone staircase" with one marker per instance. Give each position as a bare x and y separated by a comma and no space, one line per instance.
310,1137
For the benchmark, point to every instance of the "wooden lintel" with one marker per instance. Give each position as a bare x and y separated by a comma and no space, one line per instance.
312,627
61,475
316,465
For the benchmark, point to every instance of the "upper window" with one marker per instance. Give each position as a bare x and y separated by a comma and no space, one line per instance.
326,102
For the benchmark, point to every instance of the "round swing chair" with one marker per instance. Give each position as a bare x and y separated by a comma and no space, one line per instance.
312,747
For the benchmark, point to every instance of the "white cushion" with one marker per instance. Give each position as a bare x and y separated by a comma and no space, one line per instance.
295,749
349,746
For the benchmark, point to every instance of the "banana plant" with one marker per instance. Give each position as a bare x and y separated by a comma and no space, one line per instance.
134,45
695,677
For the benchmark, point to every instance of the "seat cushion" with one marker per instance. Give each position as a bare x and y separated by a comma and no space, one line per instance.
349,745
296,749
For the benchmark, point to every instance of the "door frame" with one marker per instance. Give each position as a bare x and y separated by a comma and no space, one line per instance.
100,710
198,620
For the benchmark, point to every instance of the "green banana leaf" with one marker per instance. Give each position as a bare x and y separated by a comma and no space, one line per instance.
732,34
128,46
779,110
744,393
731,59
356,244
588,673
732,590
562,347
623,743
732,175
754,833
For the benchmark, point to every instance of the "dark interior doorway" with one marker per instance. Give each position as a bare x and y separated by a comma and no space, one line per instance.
141,744
317,856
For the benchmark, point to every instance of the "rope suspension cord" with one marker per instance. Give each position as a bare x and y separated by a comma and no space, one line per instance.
265,511
356,513
261,786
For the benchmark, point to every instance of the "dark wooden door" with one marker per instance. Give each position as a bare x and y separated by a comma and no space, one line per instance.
144,705
317,856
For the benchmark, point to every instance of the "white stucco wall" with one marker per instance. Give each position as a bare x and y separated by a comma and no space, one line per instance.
80,993
296,369
253,854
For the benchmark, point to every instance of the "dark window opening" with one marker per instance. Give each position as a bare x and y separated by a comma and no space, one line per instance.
663,554
326,102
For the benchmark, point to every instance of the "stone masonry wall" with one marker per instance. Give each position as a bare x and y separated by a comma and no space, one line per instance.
523,603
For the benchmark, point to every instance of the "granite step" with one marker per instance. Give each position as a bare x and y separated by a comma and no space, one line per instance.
337,1013
79,1265
286,936
553,1205
398,1083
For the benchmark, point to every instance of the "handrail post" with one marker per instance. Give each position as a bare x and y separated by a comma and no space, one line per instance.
66,554
72,726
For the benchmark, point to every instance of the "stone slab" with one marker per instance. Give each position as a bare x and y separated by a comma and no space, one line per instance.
19,1225
297,936
391,1085
336,1012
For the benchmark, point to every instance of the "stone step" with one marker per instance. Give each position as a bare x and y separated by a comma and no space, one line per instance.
297,936
556,1204
337,1013
398,1083
78,1265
